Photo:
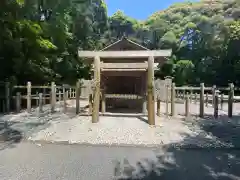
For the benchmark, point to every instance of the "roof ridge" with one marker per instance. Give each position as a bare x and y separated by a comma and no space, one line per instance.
126,39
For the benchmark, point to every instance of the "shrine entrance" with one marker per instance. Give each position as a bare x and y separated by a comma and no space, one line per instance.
124,78
126,91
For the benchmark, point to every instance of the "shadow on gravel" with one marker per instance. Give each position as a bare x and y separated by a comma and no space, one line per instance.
8,135
192,162
224,129
14,131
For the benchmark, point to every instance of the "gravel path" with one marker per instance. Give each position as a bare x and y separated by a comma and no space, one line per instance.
127,129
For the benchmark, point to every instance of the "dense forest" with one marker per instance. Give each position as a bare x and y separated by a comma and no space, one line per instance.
39,39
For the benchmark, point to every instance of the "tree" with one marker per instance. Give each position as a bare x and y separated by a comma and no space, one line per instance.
183,72
39,39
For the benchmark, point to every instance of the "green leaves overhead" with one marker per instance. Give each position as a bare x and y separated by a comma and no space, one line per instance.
39,39
20,2
206,33
235,30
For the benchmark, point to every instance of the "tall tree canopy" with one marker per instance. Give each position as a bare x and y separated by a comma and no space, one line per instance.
39,39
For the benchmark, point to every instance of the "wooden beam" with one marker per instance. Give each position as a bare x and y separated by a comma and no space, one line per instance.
123,70
125,54
122,96
157,60
141,65
151,102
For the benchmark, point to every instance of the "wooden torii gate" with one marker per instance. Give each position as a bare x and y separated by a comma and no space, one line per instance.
151,56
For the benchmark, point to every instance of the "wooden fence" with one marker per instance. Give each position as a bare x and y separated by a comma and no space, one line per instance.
28,96
17,97
202,95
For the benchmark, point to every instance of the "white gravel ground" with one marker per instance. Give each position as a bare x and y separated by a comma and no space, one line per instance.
123,129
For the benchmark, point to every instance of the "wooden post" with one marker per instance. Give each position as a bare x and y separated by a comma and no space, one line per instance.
70,93
216,104
53,97
29,97
151,102
44,96
7,96
63,90
206,99
195,98
40,102
103,102
201,100
64,100
222,101
59,95
187,105
67,94
166,100
191,94
37,100
213,94
173,94
96,96
158,106
230,100
78,96
90,109
144,105
18,102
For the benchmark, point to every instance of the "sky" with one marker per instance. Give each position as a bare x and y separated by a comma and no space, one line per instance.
138,9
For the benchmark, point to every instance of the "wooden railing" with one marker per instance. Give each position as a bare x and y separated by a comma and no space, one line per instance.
201,94
50,94
123,96
35,95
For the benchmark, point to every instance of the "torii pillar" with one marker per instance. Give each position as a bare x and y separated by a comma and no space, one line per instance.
150,91
96,93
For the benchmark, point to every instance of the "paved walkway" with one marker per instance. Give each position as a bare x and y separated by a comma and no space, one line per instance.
27,161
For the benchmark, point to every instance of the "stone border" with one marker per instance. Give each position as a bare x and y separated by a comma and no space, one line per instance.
168,146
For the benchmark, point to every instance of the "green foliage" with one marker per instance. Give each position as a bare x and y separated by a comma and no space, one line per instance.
39,40
183,72
206,33
235,30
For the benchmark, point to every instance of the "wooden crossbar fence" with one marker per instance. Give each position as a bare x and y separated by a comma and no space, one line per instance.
38,96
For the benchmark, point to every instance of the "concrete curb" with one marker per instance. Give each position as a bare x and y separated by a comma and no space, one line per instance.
168,146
